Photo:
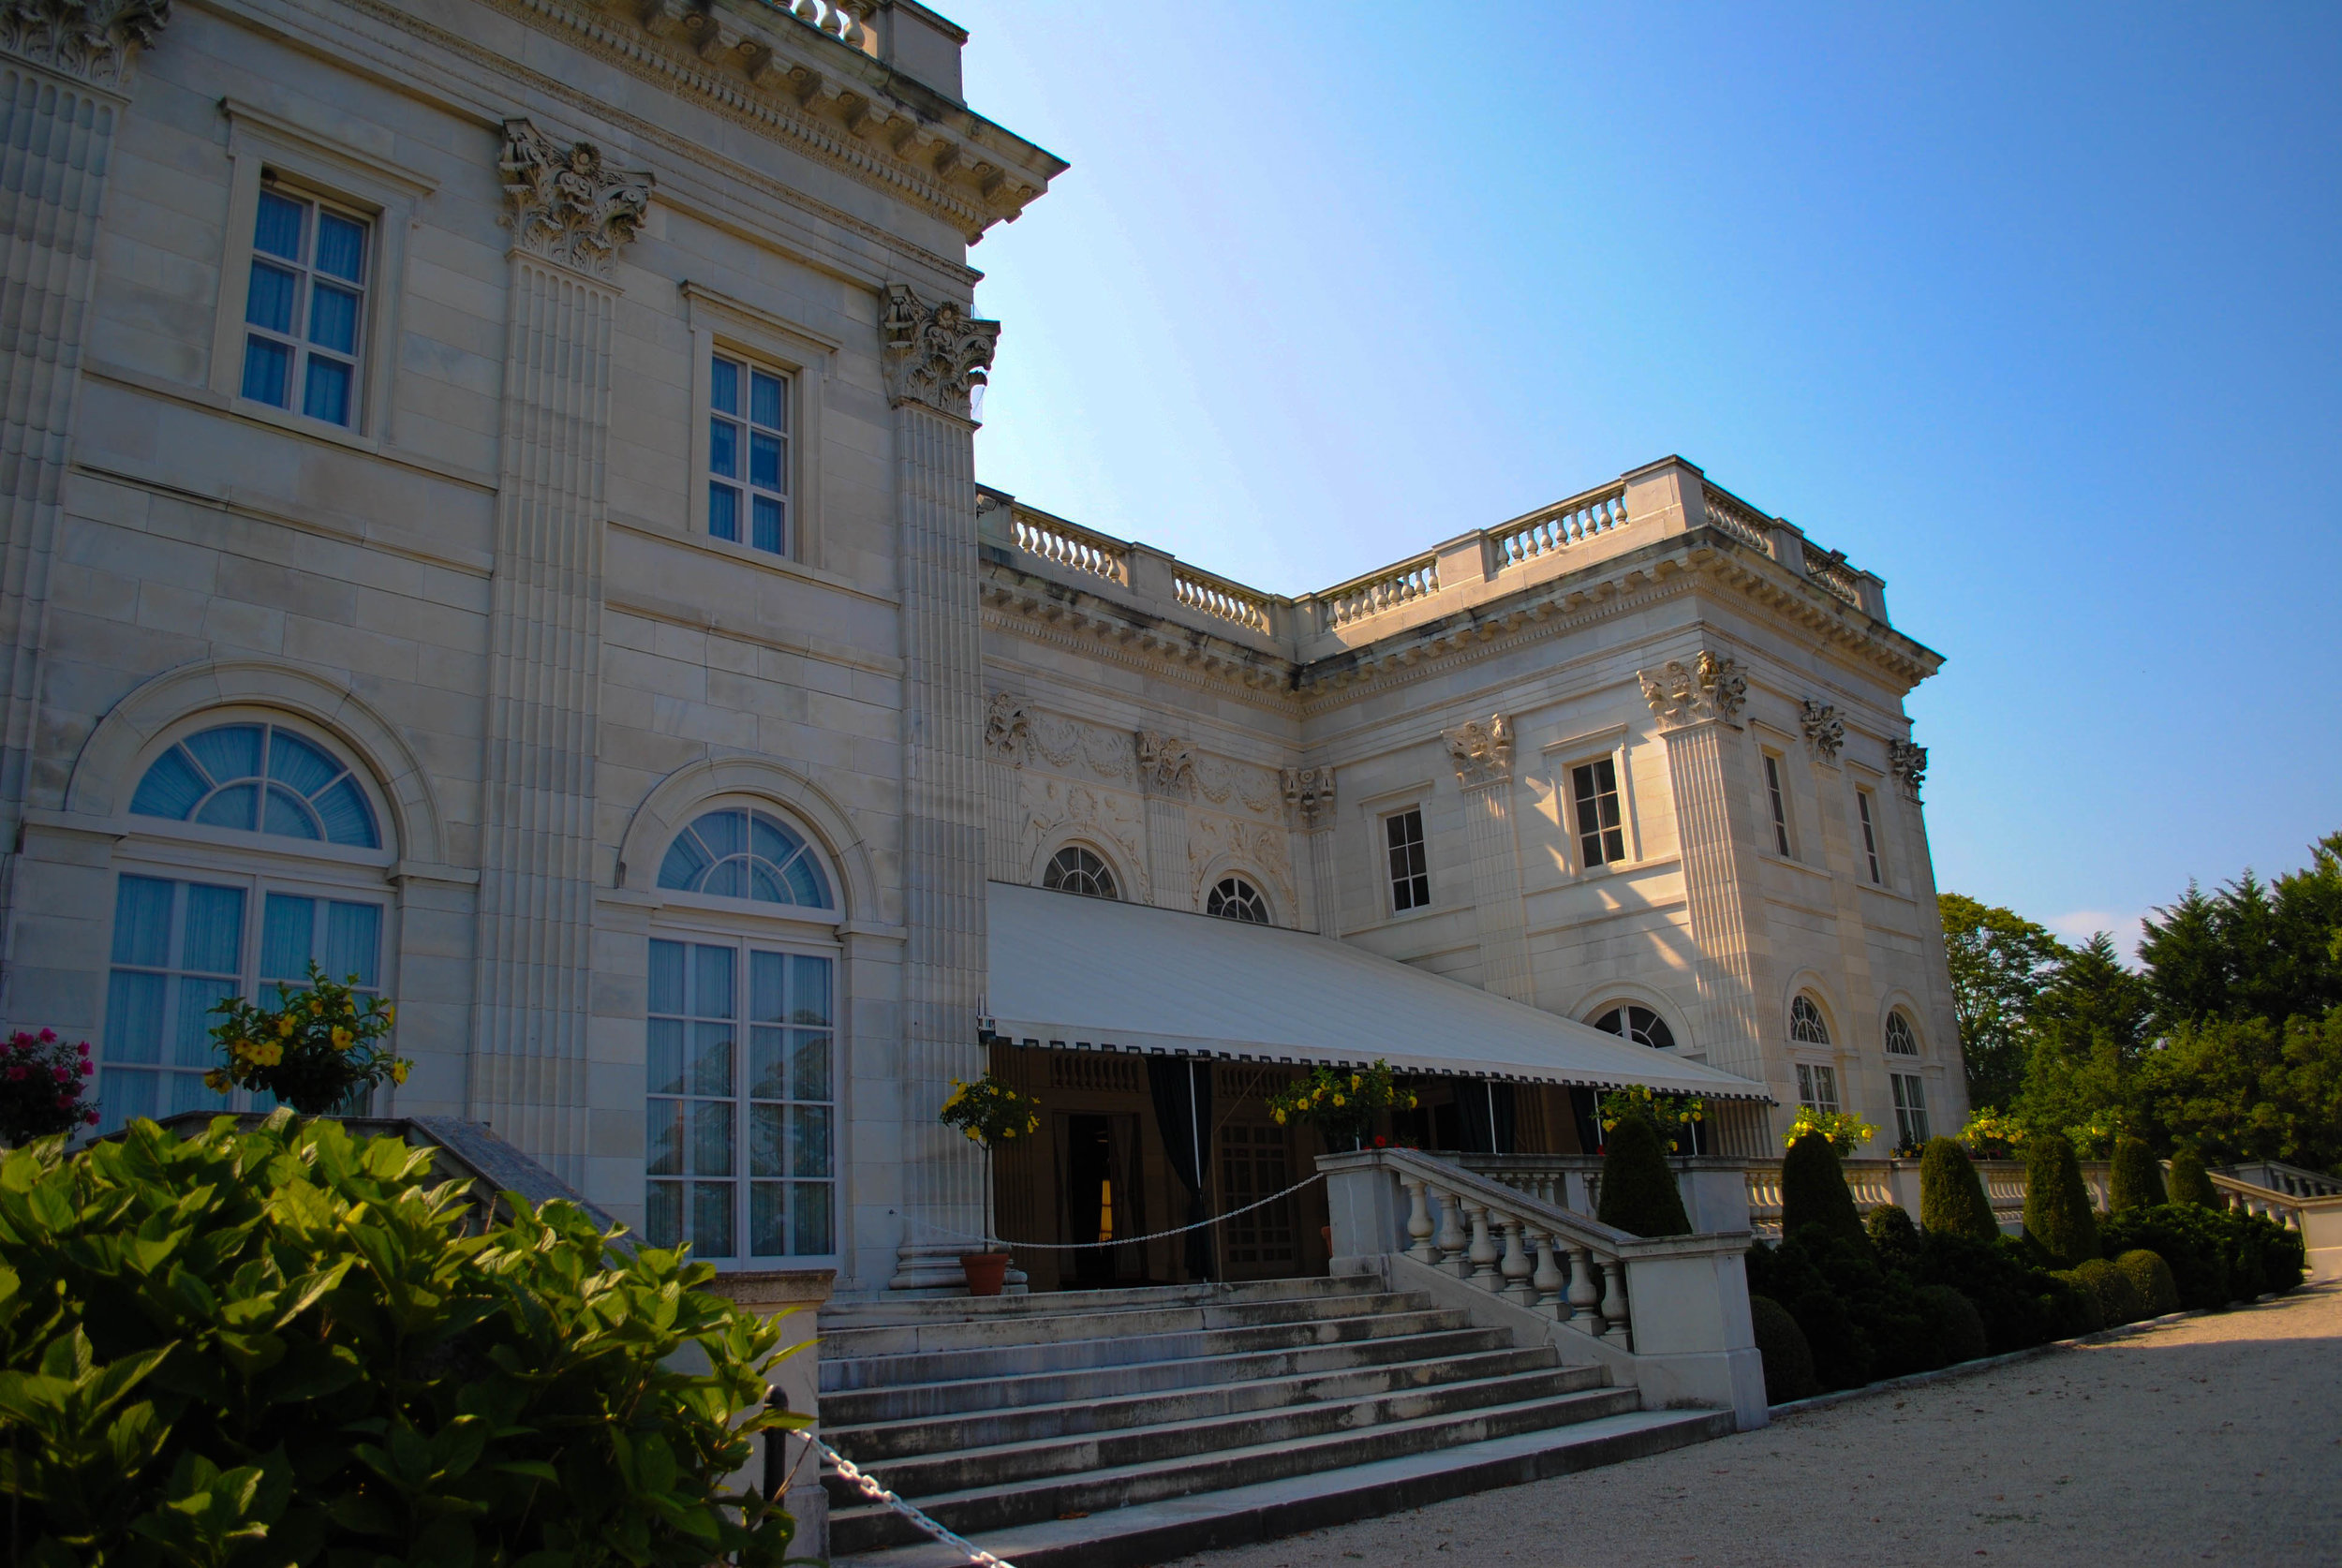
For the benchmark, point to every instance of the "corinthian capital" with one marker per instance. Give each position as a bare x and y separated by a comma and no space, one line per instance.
935,354
1310,792
1709,686
1908,763
567,203
1166,764
1483,753
92,40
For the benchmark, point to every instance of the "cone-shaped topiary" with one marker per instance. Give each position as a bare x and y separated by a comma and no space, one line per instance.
2138,1179
2151,1277
1788,1359
2189,1184
1814,1189
1639,1193
1951,1194
2056,1205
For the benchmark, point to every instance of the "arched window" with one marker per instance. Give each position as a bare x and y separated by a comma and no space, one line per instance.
1075,869
741,853
1234,898
1901,1040
260,779
1805,1024
1639,1024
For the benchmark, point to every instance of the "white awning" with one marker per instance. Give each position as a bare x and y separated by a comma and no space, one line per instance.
1091,974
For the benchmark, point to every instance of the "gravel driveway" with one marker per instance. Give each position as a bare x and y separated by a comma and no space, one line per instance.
2214,1439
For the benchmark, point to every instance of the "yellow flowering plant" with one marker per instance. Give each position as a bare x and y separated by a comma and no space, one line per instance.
1990,1135
1341,1101
990,1113
1674,1116
316,1048
1845,1130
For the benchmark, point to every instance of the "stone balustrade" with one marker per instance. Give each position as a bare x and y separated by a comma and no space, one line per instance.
1377,592
1070,545
1217,596
843,20
1736,517
1828,567
1557,528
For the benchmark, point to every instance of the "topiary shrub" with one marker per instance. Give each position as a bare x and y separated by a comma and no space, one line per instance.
2151,1277
2287,1259
2189,1182
1892,1234
2193,1242
2005,1288
2073,1305
2119,1301
2136,1180
2264,1258
1952,1201
1953,1324
1639,1193
280,1346
1788,1359
2058,1209
1813,1274
1814,1189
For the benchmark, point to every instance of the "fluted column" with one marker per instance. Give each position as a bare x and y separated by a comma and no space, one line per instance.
65,77
1167,771
1007,732
1309,793
570,214
935,355
1483,755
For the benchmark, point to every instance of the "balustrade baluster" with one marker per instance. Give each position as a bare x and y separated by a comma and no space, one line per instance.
1483,1254
1418,1221
1517,1268
1548,1280
1614,1304
1583,1297
1452,1239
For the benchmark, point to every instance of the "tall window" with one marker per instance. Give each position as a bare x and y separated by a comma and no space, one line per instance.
748,455
740,1159
1601,839
1901,1040
1410,872
1870,833
1805,1022
304,310
1234,898
1638,1024
1075,869
1910,1109
1817,1086
1780,804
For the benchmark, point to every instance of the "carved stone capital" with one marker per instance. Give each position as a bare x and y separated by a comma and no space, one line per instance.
1710,686
1310,791
1825,732
1483,753
1166,764
567,204
94,40
1006,729
935,354
1909,763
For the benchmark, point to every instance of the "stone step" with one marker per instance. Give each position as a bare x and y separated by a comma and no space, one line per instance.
979,1510
867,1407
972,1308
917,1338
1000,1361
1176,1527
974,1469
1208,1394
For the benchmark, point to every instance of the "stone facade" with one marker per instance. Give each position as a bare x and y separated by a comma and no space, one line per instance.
490,501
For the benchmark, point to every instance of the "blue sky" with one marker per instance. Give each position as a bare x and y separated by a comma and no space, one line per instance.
2034,314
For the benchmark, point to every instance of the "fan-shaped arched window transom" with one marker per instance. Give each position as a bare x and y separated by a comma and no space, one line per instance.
1075,869
259,778
1638,1024
744,853
1901,1040
1805,1023
1234,898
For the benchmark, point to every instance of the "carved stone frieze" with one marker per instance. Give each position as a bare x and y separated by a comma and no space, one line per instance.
1483,753
1217,845
96,40
1825,732
1052,809
1909,763
935,354
1007,728
1710,686
568,204
1166,764
1222,779
1311,794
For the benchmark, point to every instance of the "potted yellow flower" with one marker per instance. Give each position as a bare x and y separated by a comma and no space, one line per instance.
314,1050
1343,1101
991,1114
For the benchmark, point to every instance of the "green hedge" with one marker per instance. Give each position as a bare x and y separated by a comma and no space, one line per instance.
2216,1256
1952,1200
2119,1301
1788,1359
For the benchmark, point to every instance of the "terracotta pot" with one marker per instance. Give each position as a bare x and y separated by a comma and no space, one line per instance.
1328,1232
984,1271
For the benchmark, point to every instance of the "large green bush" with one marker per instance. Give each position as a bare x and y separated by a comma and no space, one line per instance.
249,1349
1892,1234
2119,1301
2137,1182
1952,1200
1953,1324
2077,1306
1788,1359
2151,1277
2190,1184
2058,1209
1814,1189
1639,1193
2008,1292
2193,1242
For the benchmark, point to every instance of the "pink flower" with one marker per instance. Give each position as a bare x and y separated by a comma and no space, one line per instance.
61,1074
15,1074
89,1119
87,1069
47,1036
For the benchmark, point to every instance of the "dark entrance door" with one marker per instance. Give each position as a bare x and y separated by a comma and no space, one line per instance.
1101,1200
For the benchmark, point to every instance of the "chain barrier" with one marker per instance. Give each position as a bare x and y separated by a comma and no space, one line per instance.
869,1488
1118,1241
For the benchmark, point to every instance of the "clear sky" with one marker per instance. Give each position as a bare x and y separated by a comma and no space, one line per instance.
2032,314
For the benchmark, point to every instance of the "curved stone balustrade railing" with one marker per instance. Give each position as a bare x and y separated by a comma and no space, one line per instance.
1555,1261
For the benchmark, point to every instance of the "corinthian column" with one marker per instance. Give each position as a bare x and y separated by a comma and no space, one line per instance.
570,213
1483,755
65,72
935,357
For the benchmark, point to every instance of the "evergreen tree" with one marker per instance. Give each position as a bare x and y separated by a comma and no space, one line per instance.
2190,1186
2186,960
2138,1179
2056,1205
2087,1027
1999,960
1639,1193
2249,1089
1814,1190
1952,1201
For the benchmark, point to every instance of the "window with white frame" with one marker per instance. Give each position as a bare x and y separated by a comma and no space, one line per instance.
1075,869
1869,834
748,455
1638,1024
1234,898
1910,1109
1601,833
306,306
1805,1021
1780,804
1817,1086
1902,1039
1410,869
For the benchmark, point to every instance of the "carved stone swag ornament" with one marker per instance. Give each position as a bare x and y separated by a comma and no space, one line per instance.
1166,764
1825,732
1710,686
1482,753
1310,791
935,354
94,40
569,204
1909,763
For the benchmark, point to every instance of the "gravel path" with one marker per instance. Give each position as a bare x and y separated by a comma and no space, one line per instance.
2214,1439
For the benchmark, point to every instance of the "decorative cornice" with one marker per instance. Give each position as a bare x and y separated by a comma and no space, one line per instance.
1909,763
1310,791
1711,686
1007,727
94,40
935,354
1482,753
1825,732
567,204
1166,764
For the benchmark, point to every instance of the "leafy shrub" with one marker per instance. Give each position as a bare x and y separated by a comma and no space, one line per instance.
318,1047
1792,1274
2056,1205
2191,1241
1952,1200
2190,1184
2007,1291
2151,1277
279,1346
1814,1189
1639,1193
2119,1301
2137,1182
1788,1359
2265,1257
2076,1307
1953,1324
1895,1238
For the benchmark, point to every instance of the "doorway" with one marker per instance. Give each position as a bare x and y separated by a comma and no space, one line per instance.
1101,1199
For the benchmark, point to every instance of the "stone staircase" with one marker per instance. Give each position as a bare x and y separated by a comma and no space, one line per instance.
1114,1428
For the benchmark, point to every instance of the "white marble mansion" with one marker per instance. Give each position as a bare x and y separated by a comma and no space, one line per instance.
490,506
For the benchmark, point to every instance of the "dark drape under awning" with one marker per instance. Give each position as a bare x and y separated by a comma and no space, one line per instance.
1181,1088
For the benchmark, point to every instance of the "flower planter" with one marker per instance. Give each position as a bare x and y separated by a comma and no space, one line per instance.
984,1271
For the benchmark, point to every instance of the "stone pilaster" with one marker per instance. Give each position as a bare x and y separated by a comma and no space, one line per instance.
65,71
935,356
1007,736
1483,756
1167,771
570,214
1310,792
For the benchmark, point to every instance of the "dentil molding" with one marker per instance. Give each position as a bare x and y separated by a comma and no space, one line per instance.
94,41
568,204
